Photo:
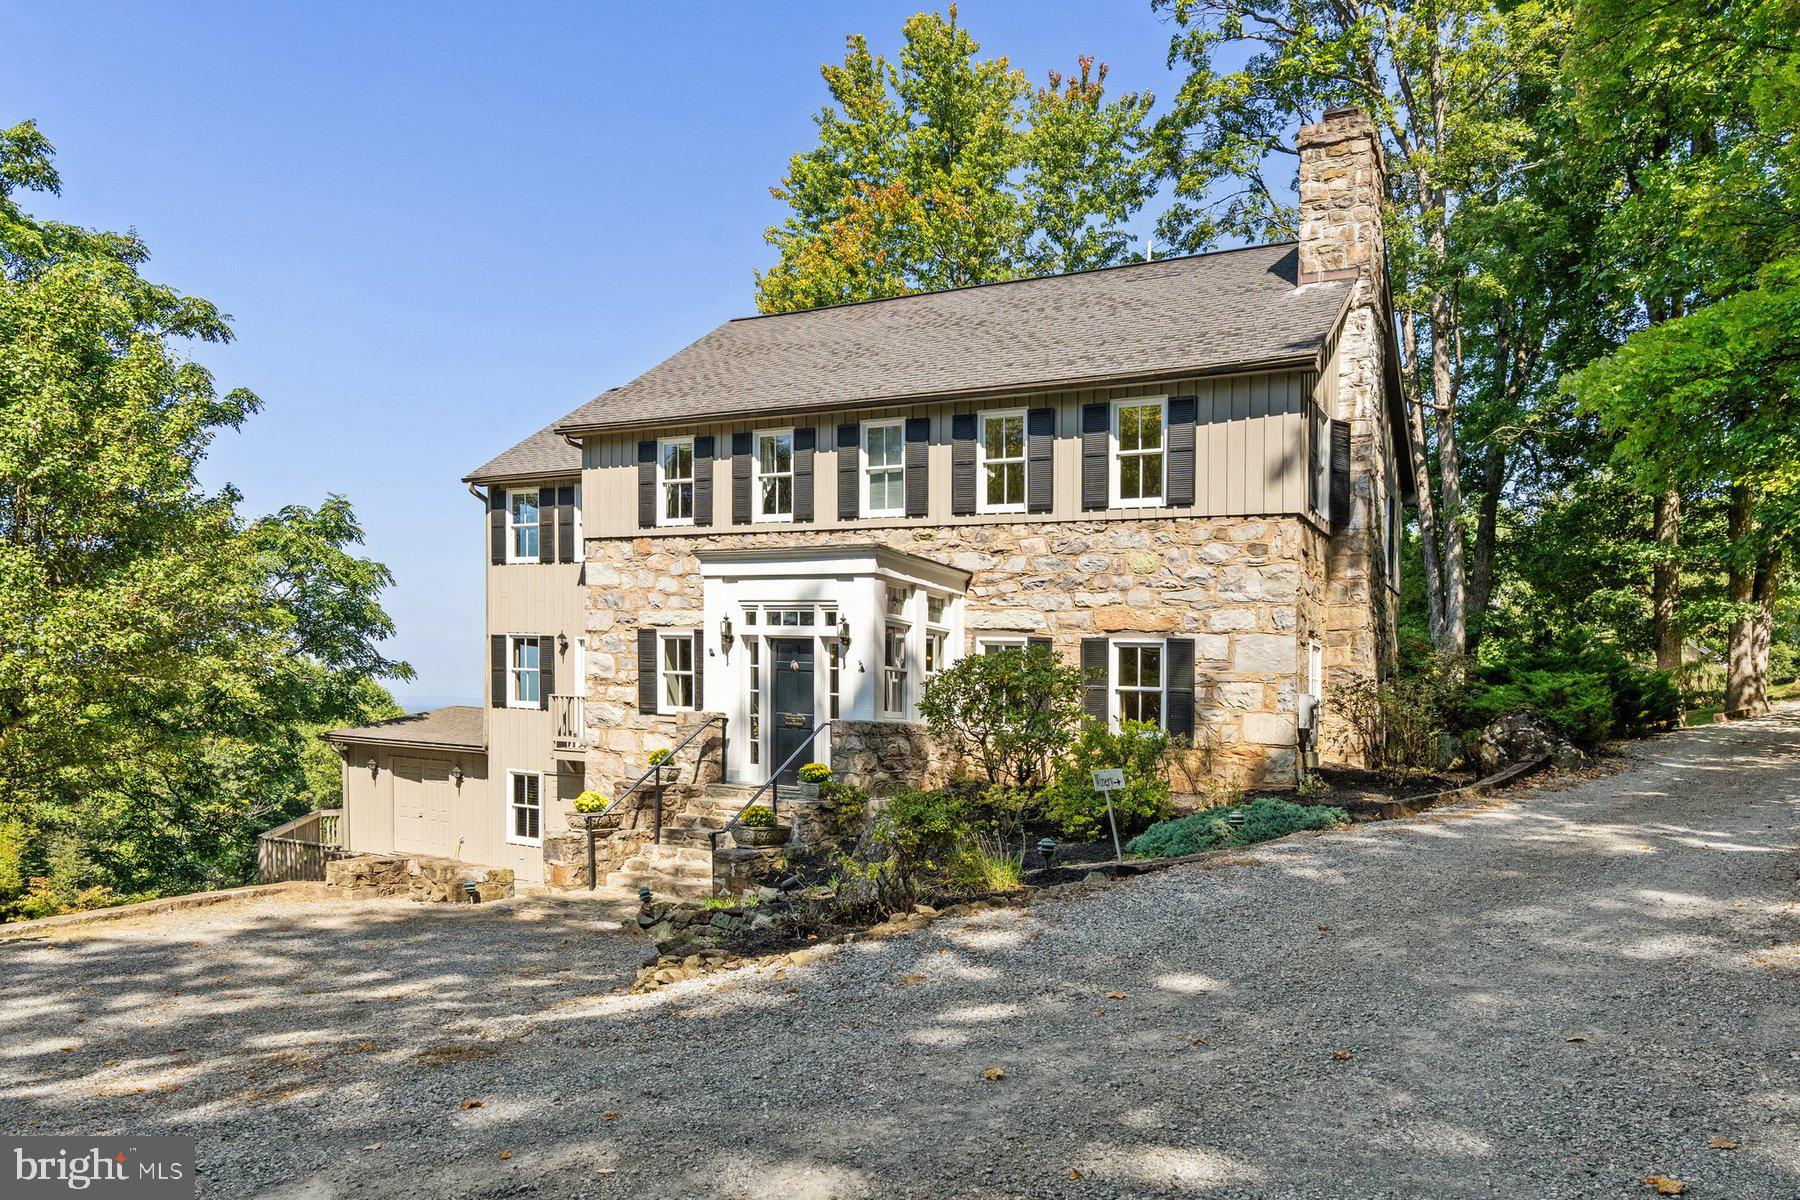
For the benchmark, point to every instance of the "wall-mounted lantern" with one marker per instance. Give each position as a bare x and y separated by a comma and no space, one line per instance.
562,643
725,634
374,765
456,775
843,633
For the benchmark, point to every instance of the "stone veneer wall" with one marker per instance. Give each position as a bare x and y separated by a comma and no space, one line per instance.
1248,591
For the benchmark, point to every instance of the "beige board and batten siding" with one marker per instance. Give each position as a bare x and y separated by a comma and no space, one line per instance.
528,599
1249,456
371,824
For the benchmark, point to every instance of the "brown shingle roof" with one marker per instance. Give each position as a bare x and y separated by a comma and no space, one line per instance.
1235,309
457,727
543,453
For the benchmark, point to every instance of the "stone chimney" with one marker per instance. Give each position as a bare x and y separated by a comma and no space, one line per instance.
1342,185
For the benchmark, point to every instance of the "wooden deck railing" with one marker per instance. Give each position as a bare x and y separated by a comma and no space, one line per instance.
568,716
300,848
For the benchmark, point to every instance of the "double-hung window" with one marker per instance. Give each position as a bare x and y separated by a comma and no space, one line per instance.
1138,458
1000,461
884,468
774,483
523,663
1138,682
675,662
675,475
893,670
522,525
525,815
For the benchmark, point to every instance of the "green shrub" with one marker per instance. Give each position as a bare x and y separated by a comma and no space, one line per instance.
1396,722
1012,712
1210,830
815,773
1587,689
758,816
922,829
1139,749
985,864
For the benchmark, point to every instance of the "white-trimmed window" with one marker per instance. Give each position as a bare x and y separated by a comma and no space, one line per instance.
525,808
675,481
1000,461
524,659
993,645
884,468
1139,463
1138,682
773,484
893,670
937,634
522,525
675,672
1315,670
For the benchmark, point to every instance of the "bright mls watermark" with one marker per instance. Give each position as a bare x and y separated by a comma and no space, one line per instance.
144,1168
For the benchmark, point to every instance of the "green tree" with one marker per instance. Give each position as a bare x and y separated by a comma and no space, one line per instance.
165,657
1013,712
946,169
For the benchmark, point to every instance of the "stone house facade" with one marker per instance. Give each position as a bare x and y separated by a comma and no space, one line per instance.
1183,475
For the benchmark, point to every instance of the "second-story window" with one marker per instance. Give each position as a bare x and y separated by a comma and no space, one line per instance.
775,476
676,468
522,678
1138,453
522,525
1001,462
884,469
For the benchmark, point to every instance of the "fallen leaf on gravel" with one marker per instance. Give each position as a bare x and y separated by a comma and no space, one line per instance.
1721,1144
373,1146
1193,1041
1115,995
506,1154
1074,1173
1324,929
993,1074
1099,1012
611,1116
466,1105
1340,1056
68,1049
1577,1038
912,977
1665,1186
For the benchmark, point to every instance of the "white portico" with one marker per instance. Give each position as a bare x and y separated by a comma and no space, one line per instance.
797,636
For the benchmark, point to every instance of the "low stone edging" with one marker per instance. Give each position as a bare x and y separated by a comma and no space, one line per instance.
162,904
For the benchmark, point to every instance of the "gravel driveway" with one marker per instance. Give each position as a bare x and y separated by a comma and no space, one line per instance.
1555,996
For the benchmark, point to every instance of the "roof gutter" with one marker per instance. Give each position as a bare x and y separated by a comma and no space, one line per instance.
1306,361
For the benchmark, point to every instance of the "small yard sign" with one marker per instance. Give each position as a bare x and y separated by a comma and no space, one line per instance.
1108,780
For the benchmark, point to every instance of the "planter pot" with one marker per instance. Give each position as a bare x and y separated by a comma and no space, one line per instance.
595,822
759,836
807,791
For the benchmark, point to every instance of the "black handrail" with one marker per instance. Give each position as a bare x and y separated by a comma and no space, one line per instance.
656,770
774,781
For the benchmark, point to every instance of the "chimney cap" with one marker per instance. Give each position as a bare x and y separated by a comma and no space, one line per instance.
1344,110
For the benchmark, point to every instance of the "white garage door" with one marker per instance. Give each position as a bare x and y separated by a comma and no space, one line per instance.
422,805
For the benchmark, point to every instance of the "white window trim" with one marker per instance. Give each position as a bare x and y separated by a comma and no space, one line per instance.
512,806
513,699
1112,679
908,667
981,459
1391,519
867,470
1161,499
512,539
756,477
662,480
1001,642
1322,438
662,704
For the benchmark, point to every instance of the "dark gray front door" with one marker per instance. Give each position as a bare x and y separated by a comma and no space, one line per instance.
792,659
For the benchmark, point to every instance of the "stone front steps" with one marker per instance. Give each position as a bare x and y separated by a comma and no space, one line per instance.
682,866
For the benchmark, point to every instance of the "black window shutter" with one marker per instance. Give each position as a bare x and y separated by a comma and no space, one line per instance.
1340,474
496,525
703,471
546,670
647,483
1096,477
566,549
918,445
1040,442
1183,412
849,448
1039,643
497,663
699,670
646,656
1179,719
547,525
740,478
962,464
805,441
1313,450
1094,668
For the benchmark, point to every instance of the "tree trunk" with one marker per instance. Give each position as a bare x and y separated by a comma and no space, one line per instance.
1487,523
1666,582
1454,642
1426,509
1746,669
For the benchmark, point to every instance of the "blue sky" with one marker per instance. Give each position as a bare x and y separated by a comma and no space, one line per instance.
439,226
